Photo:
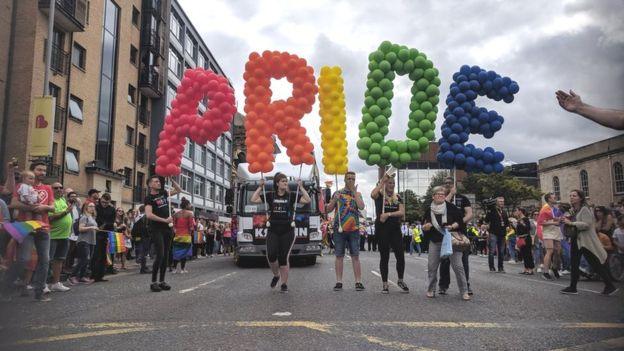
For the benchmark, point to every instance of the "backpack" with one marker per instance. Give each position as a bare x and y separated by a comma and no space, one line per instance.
139,230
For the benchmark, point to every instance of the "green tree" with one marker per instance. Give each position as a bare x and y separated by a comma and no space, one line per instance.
413,206
485,186
436,180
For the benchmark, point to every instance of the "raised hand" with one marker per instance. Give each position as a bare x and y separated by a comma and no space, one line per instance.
570,102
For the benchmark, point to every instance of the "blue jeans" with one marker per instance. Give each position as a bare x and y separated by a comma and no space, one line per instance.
41,241
565,255
511,246
496,243
417,245
342,239
537,252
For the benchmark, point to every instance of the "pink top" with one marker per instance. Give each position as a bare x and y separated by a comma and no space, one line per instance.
184,225
227,233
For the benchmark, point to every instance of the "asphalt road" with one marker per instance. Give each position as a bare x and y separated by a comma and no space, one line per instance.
218,306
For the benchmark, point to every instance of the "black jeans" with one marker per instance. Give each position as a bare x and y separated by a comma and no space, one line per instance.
143,249
390,238
372,243
279,243
98,261
83,253
496,243
527,253
445,271
593,261
161,238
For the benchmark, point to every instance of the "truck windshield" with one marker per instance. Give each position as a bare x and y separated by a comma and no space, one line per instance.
250,208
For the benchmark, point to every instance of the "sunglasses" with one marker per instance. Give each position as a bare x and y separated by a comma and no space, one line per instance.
57,187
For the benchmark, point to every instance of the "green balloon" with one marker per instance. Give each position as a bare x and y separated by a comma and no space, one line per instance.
434,100
432,90
409,66
391,57
404,157
411,124
364,143
398,67
374,111
363,133
392,144
424,125
390,75
375,148
422,84
415,155
371,83
431,116
394,157
381,121
366,93
369,161
414,105
430,135
376,93
417,115
364,110
420,62
424,142
385,84
420,96
369,101
424,149
362,126
373,159
385,66
385,46
371,127
430,73
426,107
389,94
415,133
416,74
401,147
367,118
384,130
382,102
436,81
371,56
428,64
404,55
373,65
363,154
385,151
413,53
377,74
413,146
387,112
376,137
378,55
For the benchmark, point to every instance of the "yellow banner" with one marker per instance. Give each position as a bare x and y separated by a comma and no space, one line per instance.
41,126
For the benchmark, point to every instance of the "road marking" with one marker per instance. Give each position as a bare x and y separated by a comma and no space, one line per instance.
609,344
184,291
278,324
282,314
389,281
539,280
84,335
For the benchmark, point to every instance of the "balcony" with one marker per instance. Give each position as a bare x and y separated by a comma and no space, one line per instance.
149,82
138,193
142,155
69,15
60,59
59,118
153,7
144,116
150,40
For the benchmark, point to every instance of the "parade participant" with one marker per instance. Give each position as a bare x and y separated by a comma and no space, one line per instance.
549,219
347,202
183,226
390,210
585,243
87,227
497,223
524,240
157,212
280,236
463,204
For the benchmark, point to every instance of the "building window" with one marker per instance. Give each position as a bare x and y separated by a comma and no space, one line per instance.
219,170
54,150
134,53
584,182
618,177
203,156
75,108
171,93
129,135
175,63
79,56
72,158
186,180
174,25
556,187
135,16
189,45
210,161
211,190
201,60
199,186
131,94
127,176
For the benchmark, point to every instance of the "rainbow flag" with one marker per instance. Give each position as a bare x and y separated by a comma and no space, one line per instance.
116,243
19,230
198,237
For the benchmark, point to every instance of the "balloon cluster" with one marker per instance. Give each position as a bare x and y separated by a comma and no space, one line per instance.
182,122
333,120
266,118
390,58
462,117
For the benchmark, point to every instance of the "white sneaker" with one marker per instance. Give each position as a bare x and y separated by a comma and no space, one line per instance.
539,270
29,287
184,271
566,272
177,271
59,287
46,290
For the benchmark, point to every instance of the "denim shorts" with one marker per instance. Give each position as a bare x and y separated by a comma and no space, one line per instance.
58,249
341,240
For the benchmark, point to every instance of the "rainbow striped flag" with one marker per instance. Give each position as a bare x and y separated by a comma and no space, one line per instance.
198,237
19,230
116,243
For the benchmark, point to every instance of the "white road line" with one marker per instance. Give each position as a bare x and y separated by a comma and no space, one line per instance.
184,291
389,281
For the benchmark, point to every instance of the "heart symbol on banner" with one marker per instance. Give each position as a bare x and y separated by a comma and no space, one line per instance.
41,122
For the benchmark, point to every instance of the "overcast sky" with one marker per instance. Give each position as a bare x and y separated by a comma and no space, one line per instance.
543,45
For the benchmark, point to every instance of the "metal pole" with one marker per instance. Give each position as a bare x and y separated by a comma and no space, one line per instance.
292,224
338,210
266,207
48,62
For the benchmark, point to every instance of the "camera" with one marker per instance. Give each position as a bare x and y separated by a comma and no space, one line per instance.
489,203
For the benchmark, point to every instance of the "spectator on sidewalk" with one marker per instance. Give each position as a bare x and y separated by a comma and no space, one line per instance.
87,228
60,229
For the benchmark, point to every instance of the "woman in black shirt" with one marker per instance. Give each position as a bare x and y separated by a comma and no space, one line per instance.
523,230
280,236
443,215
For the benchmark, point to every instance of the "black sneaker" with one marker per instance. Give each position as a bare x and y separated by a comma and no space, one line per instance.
284,288
470,291
155,287
338,287
569,291
274,282
358,287
403,287
546,276
42,298
146,271
442,291
492,270
164,286
385,290
609,291
501,270
556,274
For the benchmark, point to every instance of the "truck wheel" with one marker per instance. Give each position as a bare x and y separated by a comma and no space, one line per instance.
311,261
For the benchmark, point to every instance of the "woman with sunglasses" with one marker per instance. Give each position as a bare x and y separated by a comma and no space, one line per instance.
87,226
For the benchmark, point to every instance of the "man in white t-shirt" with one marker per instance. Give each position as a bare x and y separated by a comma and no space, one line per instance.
618,235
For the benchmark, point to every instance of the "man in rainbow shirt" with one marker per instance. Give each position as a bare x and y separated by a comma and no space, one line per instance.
347,202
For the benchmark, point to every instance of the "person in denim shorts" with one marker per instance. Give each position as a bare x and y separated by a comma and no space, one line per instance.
347,202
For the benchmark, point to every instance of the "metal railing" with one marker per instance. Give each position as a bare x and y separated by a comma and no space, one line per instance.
142,155
150,78
59,118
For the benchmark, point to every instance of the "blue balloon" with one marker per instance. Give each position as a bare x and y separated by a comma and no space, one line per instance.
514,88
467,151
439,157
455,75
489,149
453,104
460,159
488,135
463,137
457,128
445,147
470,161
446,131
475,69
487,169
499,156
498,168
465,70
470,94
472,76
477,153
484,117
484,128
463,86
461,78
506,81
500,119
464,121
453,138
474,84
479,165
467,106
503,92
492,75
458,111
457,148
508,99
448,156
492,115
495,126
497,83
487,87
488,157
460,98
455,90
